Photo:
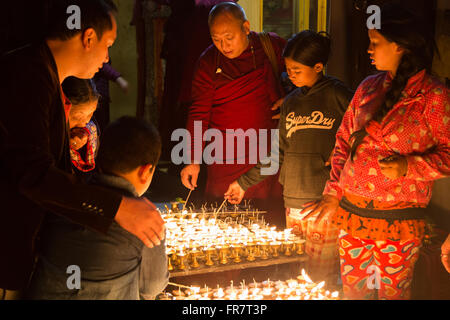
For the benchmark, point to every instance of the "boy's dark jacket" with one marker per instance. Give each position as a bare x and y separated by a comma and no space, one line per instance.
309,120
100,256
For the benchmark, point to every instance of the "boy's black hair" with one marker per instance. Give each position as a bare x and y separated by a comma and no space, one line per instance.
80,91
308,47
94,14
126,144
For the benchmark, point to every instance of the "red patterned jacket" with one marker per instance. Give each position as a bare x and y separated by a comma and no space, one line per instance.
417,127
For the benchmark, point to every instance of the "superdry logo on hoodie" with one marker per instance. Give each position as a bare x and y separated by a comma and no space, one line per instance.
315,120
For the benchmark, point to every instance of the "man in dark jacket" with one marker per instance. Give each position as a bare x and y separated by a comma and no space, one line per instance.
35,168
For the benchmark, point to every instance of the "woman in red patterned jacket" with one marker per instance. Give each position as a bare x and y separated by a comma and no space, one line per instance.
81,102
394,141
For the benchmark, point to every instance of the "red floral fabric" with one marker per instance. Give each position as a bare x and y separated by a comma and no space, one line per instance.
377,269
417,127
86,162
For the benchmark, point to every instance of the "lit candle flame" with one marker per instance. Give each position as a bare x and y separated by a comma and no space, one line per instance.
267,291
305,276
292,283
195,290
244,294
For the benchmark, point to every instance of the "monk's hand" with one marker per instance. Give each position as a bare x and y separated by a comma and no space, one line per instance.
234,193
445,254
324,208
189,176
78,138
277,106
394,166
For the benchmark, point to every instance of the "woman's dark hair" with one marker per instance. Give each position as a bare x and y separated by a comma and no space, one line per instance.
80,91
414,36
308,48
94,14
128,143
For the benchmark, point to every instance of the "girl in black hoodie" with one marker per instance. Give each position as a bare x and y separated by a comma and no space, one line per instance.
309,118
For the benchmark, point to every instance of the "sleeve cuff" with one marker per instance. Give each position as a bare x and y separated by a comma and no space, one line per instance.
243,182
333,192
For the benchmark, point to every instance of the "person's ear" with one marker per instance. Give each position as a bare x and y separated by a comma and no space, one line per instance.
398,49
318,67
246,27
145,172
88,37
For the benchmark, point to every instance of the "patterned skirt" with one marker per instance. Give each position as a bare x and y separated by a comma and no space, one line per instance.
375,220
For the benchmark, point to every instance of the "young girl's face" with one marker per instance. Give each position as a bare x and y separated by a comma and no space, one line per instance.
385,55
80,115
302,75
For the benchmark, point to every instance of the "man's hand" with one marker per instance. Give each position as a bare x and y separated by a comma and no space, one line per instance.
78,138
276,106
234,193
445,254
324,208
393,167
123,84
140,217
189,175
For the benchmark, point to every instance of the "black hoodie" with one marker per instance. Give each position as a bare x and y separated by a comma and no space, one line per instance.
309,119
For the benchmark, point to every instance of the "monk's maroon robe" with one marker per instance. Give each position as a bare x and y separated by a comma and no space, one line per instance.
186,36
240,96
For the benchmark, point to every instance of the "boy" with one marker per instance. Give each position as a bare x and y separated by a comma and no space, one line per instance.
110,264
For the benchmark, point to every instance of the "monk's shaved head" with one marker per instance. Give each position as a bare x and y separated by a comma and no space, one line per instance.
229,29
229,8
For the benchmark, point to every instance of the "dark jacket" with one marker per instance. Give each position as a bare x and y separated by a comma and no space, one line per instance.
109,263
99,256
35,168
308,123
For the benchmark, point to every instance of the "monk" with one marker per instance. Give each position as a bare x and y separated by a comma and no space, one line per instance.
234,86
186,37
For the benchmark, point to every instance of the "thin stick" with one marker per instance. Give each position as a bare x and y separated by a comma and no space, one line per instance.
187,199
220,206
179,285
